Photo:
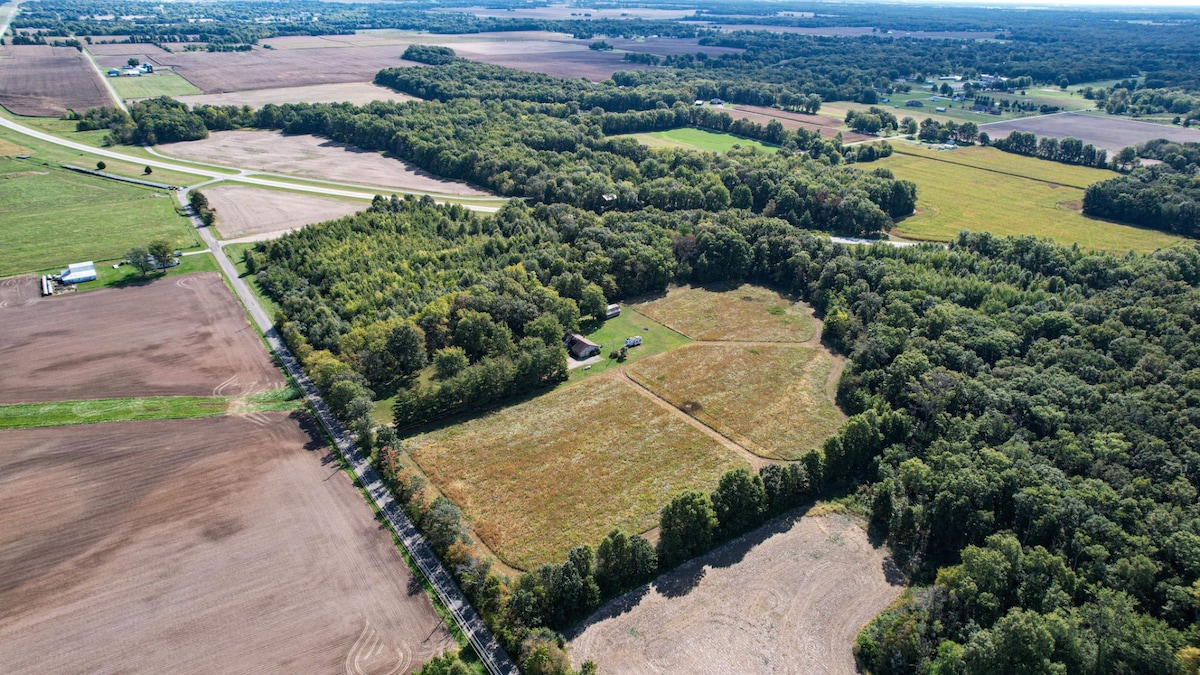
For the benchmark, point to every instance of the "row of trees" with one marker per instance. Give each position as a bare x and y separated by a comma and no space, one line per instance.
151,121
1068,150
1158,197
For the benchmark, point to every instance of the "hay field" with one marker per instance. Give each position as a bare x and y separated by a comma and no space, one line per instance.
697,139
952,197
358,93
775,400
228,544
790,597
742,313
44,81
991,159
314,157
264,214
541,477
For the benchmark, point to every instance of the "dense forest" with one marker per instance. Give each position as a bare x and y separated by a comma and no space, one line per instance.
1023,430
1158,197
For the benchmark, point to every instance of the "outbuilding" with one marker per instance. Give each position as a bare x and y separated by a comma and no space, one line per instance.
580,347
78,273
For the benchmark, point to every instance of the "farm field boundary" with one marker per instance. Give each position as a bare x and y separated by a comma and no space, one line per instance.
992,159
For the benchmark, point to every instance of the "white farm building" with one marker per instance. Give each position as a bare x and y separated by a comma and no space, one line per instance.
78,273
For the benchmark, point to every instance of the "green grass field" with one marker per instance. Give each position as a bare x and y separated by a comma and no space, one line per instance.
538,478
51,216
1021,166
697,139
952,197
108,277
162,83
728,312
62,413
611,334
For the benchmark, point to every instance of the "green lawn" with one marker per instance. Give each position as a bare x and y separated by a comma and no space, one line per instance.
61,413
952,197
696,139
50,216
611,334
107,276
162,83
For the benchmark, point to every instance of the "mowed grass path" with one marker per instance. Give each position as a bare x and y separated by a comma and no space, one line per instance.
161,83
539,478
771,399
697,139
952,197
746,312
50,217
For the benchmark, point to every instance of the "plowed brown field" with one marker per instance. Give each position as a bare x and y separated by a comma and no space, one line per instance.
179,336
218,72
787,598
253,212
43,81
230,544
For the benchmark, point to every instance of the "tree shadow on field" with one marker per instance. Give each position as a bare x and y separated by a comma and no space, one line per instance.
610,610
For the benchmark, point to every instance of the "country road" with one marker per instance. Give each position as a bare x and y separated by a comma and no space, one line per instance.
481,638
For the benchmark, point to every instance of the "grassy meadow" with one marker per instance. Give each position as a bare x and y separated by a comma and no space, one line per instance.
541,477
161,83
697,139
991,159
744,313
50,216
774,400
953,195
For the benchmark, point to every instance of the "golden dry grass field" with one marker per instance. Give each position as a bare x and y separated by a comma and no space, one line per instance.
750,313
561,470
775,400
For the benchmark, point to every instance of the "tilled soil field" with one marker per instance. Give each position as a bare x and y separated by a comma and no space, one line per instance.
179,336
244,211
788,598
827,126
1103,131
358,93
555,58
219,72
230,544
43,81
314,157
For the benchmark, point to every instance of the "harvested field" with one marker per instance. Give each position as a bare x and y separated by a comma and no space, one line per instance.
827,126
775,400
358,93
43,81
219,72
550,57
313,157
1103,131
787,598
228,544
126,49
565,11
393,36
743,313
561,470
663,46
858,31
184,336
246,211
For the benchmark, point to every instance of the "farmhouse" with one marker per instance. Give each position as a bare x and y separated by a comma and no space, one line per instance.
78,273
580,347
612,312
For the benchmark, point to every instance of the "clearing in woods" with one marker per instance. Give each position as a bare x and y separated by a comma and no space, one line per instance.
180,336
264,214
775,400
317,158
788,597
227,544
697,139
725,312
952,197
539,478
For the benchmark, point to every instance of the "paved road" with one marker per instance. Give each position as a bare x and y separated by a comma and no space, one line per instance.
486,645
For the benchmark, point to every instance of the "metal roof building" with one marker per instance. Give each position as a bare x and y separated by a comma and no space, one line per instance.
78,273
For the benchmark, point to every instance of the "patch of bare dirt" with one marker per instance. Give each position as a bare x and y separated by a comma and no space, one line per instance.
177,336
230,544
358,93
788,598
44,81
243,211
313,157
